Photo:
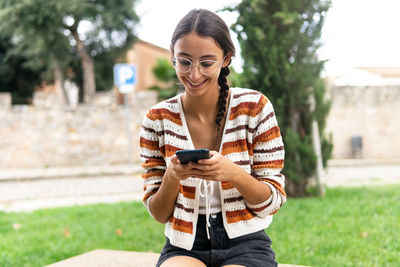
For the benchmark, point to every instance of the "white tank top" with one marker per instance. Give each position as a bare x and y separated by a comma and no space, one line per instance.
214,198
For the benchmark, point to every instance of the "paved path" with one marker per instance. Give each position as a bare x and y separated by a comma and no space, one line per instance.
26,190
362,172
30,189
29,195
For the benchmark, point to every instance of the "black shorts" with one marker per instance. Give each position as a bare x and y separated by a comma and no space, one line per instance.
252,250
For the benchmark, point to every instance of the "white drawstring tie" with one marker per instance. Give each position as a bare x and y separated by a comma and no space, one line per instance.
208,191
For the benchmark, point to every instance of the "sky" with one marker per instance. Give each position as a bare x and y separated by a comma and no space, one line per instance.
356,32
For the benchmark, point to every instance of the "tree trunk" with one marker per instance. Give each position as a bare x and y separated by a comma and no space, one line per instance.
58,82
89,84
296,187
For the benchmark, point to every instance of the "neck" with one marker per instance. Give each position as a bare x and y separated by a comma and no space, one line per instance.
201,106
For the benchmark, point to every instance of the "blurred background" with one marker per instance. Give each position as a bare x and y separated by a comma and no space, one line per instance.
77,77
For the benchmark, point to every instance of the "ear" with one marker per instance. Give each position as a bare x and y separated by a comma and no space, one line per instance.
227,60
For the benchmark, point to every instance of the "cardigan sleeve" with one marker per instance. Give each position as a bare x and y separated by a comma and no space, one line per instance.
268,159
152,159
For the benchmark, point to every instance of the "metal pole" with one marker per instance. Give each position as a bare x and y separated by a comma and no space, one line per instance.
317,151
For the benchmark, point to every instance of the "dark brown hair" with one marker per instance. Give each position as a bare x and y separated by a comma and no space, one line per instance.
206,23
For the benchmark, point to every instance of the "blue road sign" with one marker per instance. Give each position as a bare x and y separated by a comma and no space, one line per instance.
125,77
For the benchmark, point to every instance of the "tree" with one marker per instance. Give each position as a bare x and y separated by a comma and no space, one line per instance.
33,37
165,72
53,31
12,68
279,40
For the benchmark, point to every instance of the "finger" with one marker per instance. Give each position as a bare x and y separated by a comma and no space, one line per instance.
195,165
207,161
212,160
201,167
204,161
213,153
174,159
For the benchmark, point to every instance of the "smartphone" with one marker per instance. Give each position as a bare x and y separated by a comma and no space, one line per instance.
185,156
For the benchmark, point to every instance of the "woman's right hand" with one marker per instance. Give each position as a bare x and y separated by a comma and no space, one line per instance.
179,171
162,204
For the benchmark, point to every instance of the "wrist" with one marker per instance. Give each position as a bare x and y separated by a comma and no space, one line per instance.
170,177
237,176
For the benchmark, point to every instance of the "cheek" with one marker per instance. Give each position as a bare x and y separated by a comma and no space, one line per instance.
181,77
215,77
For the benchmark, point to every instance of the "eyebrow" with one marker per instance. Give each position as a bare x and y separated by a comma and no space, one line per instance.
204,56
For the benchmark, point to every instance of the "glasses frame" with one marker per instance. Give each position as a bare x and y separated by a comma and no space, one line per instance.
173,60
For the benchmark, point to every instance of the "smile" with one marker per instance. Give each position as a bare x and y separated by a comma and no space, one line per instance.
196,84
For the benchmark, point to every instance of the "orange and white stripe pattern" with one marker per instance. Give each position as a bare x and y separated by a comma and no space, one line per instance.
251,139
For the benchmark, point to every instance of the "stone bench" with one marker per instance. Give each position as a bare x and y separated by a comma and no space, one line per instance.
116,258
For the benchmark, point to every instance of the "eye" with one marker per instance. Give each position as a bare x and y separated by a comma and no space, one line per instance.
183,61
206,63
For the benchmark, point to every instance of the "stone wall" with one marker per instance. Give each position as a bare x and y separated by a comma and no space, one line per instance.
44,135
371,112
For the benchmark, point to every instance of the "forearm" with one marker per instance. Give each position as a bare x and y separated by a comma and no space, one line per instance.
250,188
162,203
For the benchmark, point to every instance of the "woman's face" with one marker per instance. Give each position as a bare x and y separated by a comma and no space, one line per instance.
201,51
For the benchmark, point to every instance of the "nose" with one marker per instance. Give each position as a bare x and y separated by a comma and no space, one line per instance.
195,73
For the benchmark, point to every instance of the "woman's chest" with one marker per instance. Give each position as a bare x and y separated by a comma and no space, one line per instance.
203,135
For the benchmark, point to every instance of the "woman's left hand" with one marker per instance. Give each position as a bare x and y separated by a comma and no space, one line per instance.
216,168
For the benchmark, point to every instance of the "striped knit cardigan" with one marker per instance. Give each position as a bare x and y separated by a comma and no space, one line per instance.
251,139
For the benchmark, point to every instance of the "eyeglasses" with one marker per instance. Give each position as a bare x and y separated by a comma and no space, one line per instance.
206,67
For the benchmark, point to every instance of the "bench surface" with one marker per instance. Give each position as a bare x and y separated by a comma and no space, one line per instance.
116,258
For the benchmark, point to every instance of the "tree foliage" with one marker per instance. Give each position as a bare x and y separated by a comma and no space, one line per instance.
165,72
279,40
54,33
12,68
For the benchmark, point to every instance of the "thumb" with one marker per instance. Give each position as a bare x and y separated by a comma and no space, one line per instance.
213,153
174,159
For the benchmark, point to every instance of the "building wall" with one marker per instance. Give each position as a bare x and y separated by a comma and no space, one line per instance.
371,112
144,55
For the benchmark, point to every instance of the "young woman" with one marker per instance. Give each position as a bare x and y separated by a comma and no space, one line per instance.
214,210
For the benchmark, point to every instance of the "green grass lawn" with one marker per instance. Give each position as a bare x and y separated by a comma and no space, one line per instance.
348,227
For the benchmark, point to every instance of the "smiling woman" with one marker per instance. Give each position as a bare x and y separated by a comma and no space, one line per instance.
202,79
215,210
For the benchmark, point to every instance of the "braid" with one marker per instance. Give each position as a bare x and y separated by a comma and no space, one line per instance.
224,89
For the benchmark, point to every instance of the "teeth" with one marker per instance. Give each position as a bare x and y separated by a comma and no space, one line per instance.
197,83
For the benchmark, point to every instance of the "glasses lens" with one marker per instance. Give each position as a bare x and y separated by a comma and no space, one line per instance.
182,64
208,67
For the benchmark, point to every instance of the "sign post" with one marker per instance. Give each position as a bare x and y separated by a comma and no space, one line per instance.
125,78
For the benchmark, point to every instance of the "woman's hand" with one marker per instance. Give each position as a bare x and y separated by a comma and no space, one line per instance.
216,168
179,171
220,168
162,204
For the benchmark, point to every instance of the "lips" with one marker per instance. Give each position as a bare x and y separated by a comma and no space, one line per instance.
196,85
